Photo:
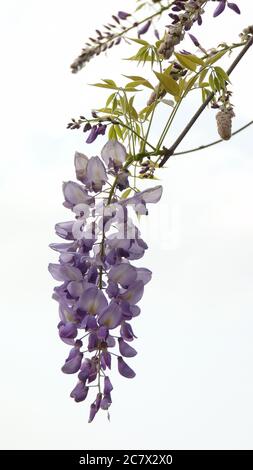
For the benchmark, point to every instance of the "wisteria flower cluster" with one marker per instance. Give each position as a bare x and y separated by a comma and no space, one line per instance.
100,286
100,283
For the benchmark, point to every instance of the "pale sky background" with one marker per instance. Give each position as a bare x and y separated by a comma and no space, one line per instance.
194,383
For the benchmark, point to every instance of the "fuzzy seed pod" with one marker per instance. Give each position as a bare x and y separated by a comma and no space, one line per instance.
224,123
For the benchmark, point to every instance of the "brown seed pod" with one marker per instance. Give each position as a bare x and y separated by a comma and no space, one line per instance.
224,123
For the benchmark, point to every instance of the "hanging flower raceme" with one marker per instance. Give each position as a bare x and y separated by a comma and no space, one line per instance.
184,15
100,287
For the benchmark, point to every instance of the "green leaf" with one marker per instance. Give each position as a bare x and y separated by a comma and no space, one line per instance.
217,84
185,62
118,131
145,112
109,82
112,135
110,98
191,82
211,82
104,85
123,102
140,80
168,83
202,75
216,57
139,41
132,111
114,104
203,85
126,193
133,84
195,59
221,73
140,6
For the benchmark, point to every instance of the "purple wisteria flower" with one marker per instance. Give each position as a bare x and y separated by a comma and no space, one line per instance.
222,5
99,285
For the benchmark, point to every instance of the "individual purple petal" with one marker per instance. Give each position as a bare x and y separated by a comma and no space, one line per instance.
151,195
64,230
101,129
234,7
125,349
126,332
80,392
156,32
137,249
67,332
81,162
65,312
124,369
93,412
75,194
126,310
199,20
90,322
67,258
194,40
106,358
92,274
102,333
93,301
75,288
94,370
144,275
85,370
72,364
134,293
123,15
144,28
107,386
106,402
64,273
63,247
96,174
112,289
111,317
92,342
98,400
220,8
92,135
135,310
110,341
123,274
122,180
113,151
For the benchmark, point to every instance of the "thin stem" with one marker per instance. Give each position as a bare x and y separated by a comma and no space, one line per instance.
185,131
99,355
160,153
212,143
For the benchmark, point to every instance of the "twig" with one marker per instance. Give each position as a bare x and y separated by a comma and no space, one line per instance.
141,155
202,147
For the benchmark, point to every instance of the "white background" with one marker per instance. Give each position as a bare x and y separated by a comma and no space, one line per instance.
194,383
